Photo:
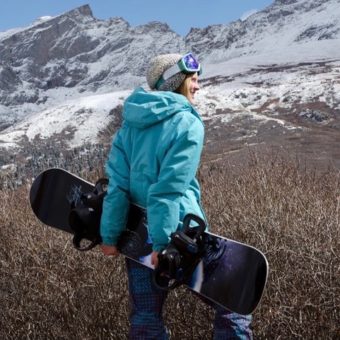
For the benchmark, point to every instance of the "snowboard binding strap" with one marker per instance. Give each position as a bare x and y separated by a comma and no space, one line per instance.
179,259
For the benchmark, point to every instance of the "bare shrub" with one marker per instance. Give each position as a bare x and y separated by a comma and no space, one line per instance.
49,290
292,214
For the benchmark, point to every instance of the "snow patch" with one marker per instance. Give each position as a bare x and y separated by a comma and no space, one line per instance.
81,118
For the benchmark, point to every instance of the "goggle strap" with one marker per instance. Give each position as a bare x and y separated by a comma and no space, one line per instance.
171,72
167,74
160,81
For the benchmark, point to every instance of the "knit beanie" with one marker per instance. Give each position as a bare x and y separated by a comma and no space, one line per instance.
158,66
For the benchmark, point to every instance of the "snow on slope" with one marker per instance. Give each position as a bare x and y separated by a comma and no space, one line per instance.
300,53
80,118
238,95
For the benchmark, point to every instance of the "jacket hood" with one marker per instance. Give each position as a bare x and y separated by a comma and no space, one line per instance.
143,109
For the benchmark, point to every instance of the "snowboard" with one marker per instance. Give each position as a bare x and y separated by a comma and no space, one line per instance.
228,273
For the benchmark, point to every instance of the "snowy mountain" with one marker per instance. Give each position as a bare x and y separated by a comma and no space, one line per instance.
286,31
273,78
62,57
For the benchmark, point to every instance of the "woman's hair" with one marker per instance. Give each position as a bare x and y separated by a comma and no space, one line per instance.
184,88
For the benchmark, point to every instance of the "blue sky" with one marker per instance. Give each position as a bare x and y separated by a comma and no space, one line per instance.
178,14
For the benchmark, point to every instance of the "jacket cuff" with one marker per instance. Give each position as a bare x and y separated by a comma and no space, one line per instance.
108,241
159,247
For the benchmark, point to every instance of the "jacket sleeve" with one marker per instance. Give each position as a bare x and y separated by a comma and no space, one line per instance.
116,202
177,170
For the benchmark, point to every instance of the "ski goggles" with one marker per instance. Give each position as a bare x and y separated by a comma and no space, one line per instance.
187,64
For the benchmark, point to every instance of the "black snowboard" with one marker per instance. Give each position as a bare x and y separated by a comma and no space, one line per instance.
230,274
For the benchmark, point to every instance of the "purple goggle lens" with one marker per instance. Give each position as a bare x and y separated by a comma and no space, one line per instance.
191,64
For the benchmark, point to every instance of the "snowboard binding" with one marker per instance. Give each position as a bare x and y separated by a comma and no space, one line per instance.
84,218
179,259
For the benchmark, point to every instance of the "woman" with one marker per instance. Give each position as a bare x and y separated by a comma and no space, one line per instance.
153,163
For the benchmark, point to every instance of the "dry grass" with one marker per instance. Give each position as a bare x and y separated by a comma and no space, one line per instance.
48,290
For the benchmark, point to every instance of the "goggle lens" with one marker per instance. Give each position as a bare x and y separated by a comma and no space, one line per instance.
191,63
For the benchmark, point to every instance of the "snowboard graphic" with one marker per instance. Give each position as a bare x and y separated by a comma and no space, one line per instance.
226,272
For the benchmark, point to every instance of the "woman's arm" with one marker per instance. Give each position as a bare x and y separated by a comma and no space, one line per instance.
177,170
116,202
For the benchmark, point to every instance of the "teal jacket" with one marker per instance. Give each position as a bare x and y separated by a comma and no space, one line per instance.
153,163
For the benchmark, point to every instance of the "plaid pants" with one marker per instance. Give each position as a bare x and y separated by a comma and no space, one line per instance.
147,302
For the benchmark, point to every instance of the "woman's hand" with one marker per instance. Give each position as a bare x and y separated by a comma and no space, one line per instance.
109,250
113,251
154,258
